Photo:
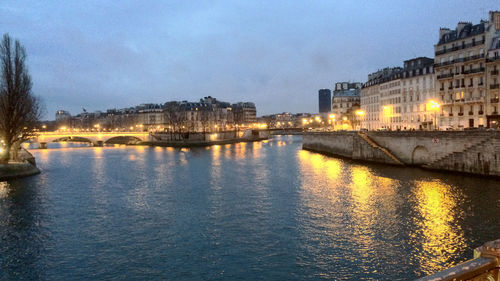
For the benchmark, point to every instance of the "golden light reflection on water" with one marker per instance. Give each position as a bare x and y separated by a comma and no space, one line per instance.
316,168
321,165
361,187
257,146
43,155
215,168
439,236
140,148
334,191
240,150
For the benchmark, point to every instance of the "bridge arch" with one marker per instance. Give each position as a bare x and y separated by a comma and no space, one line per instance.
123,140
74,139
420,155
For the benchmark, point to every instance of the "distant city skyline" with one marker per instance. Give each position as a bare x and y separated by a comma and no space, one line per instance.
276,54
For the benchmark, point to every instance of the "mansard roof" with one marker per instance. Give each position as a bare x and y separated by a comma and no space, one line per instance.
468,30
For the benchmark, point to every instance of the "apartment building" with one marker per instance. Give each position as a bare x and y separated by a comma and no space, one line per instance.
492,74
381,100
345,103
462,78
419,105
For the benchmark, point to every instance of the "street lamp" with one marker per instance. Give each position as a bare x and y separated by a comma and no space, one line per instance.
434,106
332,120
360,113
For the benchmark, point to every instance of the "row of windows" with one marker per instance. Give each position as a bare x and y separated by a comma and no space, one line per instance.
461,83
462,55
462,69
390,85
464,43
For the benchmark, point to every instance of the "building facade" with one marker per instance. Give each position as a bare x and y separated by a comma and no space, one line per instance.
346,101
207,115
492,74
418,104
463,81
379,109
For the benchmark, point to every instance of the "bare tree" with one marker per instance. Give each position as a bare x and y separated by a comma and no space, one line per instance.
173,117
20,110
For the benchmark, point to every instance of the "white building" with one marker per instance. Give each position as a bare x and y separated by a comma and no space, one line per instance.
419,104
463,83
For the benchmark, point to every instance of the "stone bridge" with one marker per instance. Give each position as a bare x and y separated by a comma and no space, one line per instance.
95,138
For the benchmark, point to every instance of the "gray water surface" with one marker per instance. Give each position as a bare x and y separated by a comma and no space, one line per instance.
249,211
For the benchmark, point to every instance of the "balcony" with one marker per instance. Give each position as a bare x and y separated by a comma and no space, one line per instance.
474,70
456,48
450,114
450,88
441,89
445,63
493,59
480,112
494,100
473,99
460,114
474,57
494,86
471,113
444,76
494,72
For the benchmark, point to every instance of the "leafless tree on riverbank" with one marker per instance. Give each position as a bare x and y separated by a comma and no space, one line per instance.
20,110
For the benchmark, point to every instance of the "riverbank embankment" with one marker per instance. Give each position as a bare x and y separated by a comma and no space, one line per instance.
205,139
475,152
197,143
25,167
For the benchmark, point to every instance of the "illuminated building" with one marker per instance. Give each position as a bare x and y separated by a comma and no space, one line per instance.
463,81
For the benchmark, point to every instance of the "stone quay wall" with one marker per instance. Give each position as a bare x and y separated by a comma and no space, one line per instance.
476,152
26,166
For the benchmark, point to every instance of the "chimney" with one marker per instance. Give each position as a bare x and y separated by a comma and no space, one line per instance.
460,26
443,31
495,19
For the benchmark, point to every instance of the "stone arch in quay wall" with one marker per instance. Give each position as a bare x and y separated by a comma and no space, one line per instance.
420,155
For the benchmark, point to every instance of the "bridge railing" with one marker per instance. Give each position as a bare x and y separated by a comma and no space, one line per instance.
484,266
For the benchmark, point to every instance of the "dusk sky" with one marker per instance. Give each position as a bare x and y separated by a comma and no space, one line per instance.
115,54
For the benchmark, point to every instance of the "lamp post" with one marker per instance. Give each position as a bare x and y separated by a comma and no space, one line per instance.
434,106
332,120
360,113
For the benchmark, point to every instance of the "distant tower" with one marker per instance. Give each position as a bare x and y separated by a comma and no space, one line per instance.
325,100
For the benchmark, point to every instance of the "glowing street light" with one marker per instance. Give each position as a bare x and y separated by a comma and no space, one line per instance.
434,106
360,112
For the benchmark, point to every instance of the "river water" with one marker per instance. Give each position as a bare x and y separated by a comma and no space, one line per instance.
248,211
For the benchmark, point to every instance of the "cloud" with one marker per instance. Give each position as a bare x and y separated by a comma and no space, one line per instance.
276,53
